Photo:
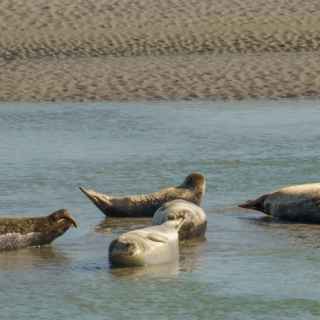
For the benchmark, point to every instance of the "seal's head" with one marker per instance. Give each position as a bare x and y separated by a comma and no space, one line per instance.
127,250
196,182
55,224
62,218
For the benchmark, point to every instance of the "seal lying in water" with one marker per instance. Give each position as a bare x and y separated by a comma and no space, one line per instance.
146,246
16,233
298,203
194,218
145,205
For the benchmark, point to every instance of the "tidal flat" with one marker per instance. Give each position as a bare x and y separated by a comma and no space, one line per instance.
148,50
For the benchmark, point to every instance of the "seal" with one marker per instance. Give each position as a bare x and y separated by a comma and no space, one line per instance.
194,224
16,233
147,246
192,189
297,203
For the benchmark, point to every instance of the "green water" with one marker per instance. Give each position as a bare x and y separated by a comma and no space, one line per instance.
249,267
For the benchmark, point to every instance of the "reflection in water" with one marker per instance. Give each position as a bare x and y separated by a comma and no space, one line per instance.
120,225
298,234
226,210
190,254
157,271
32,258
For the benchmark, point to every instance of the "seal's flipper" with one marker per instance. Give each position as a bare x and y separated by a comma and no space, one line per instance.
102,201
93,195
157,237
175,223
257,204
249,204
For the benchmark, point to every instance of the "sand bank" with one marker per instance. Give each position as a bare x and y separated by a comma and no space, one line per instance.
148,49
166,77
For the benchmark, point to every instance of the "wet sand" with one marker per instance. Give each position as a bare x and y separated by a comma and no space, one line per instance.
124,50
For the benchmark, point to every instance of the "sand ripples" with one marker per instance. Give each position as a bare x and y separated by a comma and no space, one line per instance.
158,49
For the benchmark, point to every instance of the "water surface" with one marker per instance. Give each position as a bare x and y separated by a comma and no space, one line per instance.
249,267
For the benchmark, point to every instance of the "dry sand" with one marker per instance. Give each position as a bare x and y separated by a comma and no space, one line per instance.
150,49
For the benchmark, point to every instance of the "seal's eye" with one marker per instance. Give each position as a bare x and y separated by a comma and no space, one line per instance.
62,216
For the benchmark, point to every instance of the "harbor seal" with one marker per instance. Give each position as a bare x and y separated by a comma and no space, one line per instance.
297,203
16,233
147,246
192,189
194,218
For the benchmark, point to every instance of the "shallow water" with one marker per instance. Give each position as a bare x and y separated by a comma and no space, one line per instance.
249,267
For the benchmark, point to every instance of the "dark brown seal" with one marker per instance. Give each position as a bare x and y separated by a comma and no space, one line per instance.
18,233
192,189
298,203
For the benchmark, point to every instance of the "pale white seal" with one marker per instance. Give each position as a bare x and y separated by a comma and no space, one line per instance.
194,218
147,246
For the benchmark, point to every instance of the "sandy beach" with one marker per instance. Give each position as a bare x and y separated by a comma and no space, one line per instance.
123,50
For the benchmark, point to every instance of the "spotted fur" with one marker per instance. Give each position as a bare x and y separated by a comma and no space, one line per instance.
145,205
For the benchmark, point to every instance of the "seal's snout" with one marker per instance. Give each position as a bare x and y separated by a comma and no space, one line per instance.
123,247
124,252
62,216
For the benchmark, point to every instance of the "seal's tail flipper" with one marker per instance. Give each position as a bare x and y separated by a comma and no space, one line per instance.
86,191
102,201
250,204
257,204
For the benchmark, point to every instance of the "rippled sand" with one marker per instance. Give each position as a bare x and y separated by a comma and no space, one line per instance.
148,49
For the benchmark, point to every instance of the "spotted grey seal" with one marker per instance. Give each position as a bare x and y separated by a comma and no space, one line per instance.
16,233
192,189
147,246
297,203
194,218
